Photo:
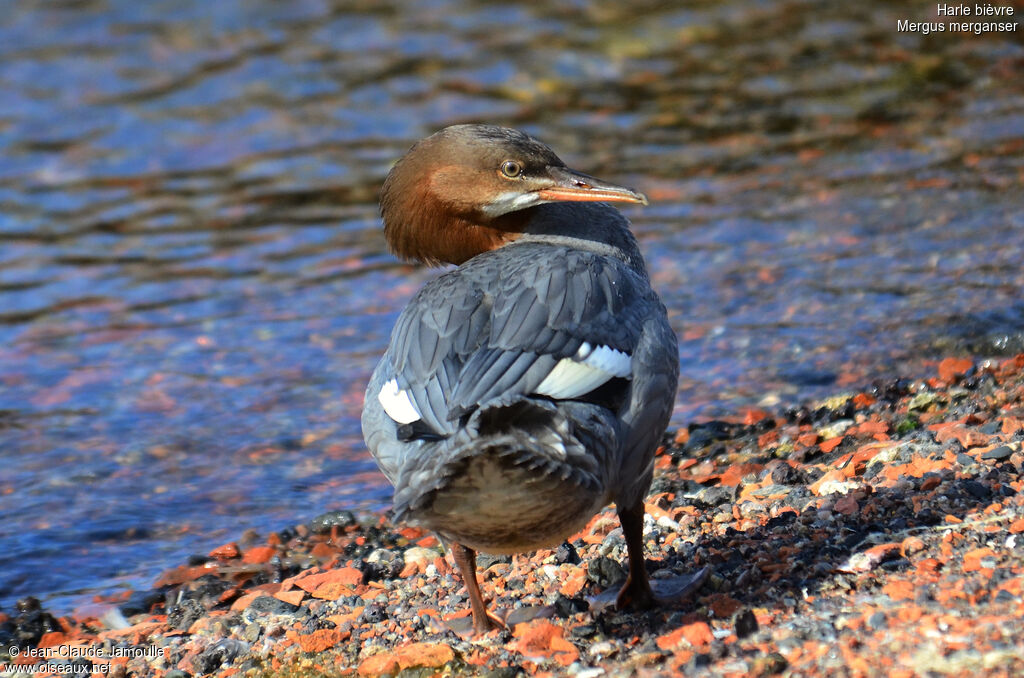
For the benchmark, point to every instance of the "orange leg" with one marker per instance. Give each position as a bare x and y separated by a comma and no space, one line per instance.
465,559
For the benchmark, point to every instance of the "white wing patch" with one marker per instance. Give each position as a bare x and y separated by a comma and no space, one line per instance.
582,373
397,403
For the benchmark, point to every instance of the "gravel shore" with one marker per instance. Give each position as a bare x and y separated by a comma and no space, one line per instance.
875,533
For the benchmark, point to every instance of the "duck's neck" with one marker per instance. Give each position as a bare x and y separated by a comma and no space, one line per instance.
595,227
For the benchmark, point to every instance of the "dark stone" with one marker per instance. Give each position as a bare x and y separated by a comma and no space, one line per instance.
799,415
271,605
878,620
699,661
209,586
316,623
666,483
141,602
784,474
1005,596
710,497
891,391
873,469
895,565
809,377
388,566
185,613
583,631
781,520
504,672
220,653
998,453
373,613
566,553
485,560
566,607
323,523
857,537
605,572
745,623
32,622
702,435
977,490
965,459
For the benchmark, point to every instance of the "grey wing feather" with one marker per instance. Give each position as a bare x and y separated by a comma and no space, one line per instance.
464,340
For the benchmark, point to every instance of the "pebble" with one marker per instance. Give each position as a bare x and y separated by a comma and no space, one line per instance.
998,453
886,541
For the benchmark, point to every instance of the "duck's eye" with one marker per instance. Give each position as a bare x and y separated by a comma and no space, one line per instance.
511,169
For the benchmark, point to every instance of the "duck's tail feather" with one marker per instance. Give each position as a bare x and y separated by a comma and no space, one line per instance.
524,450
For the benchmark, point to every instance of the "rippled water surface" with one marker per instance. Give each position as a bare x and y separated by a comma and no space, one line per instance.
194,287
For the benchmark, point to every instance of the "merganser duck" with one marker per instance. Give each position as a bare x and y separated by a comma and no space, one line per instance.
528,388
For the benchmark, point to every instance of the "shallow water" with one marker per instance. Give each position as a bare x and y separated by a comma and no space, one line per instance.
194,287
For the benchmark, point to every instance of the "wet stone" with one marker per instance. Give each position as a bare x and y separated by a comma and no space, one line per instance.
184,614
141,602
784,474
781,520
976,489
1005,596
878,620
271,605
252,632
896,565
583,631
567,554
373,614
998,453
382,564
605,572
965,459
504,672
698,663
208,586
744,623
486,560
220,653
32,622
324,522
566,607
712,496
704,434
991,428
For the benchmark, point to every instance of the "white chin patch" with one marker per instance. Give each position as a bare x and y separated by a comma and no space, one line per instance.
511,201
397,403
582,373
